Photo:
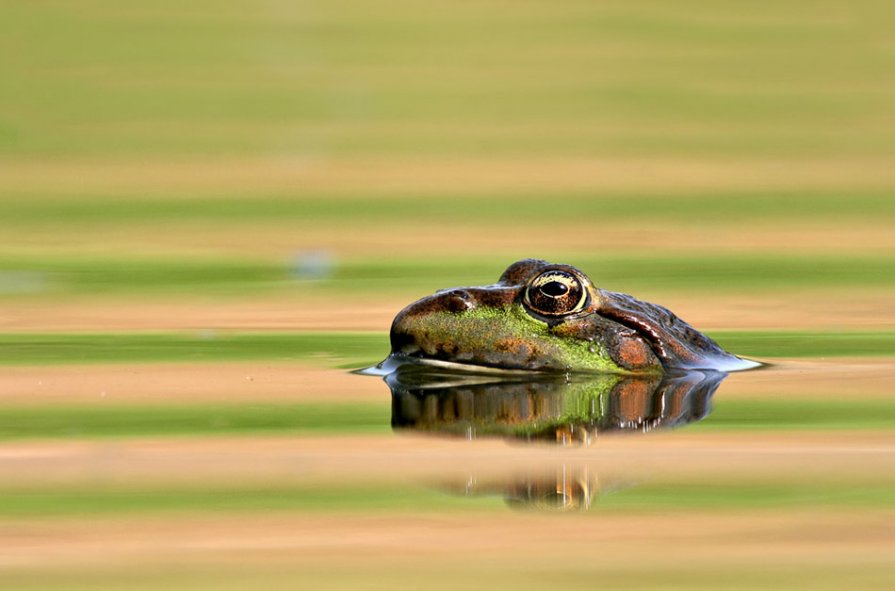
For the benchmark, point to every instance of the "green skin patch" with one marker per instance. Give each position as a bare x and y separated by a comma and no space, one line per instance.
507,337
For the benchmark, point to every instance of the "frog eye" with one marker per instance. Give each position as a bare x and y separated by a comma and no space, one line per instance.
555,293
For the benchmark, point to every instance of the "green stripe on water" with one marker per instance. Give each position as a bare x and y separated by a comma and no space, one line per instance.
746,495
120,420
686,208
848,412
644,275
646,497
803,344
359,349
324,349
142,420
54,503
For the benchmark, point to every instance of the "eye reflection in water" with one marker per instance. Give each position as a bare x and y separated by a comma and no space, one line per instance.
562,410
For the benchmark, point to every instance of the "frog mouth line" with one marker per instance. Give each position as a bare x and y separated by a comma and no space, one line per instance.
714,358
643,330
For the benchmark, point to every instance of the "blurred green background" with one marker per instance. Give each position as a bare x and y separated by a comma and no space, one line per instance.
236,185
334,154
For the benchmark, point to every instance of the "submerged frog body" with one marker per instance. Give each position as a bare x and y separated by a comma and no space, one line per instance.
550,318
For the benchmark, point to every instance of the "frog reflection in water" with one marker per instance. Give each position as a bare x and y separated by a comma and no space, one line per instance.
566,412
550,318
550,410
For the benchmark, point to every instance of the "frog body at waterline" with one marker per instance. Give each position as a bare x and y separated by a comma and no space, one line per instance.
545,317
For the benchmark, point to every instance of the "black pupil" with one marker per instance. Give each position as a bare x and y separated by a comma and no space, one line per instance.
554,289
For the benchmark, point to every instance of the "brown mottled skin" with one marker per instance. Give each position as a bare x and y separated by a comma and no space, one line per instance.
637,336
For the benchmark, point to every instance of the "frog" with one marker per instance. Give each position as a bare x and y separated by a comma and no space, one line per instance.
542,317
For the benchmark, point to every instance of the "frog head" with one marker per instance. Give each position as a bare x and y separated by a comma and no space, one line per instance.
548,317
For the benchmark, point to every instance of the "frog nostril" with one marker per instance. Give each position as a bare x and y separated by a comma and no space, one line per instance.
457,300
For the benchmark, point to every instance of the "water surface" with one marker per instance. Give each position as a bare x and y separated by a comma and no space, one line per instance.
296,469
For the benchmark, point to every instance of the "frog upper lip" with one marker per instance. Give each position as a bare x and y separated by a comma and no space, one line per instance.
467,368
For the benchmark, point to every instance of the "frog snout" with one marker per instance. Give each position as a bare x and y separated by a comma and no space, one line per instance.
438,323
412,329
